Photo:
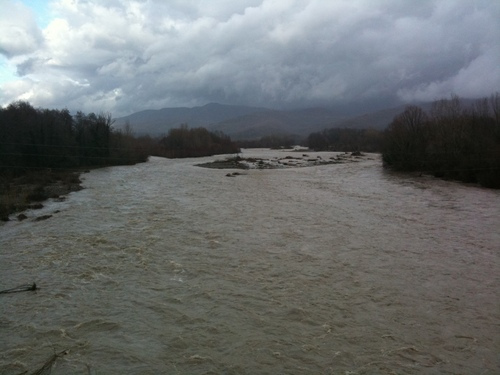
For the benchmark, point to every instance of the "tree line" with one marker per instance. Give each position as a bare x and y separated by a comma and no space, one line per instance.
184,142
451,141
273,141
36,138
32,138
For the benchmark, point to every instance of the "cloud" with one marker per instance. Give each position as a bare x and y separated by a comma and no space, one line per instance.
19,33
479,77
124,56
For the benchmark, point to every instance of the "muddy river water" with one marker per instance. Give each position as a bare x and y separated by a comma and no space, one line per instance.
169,268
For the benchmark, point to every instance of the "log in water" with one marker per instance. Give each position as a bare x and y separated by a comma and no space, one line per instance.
166,267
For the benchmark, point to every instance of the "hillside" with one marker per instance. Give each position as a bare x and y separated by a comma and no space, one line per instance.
259,124
375,120
242,122
157,122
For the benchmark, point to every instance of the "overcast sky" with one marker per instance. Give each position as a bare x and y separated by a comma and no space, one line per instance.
122,56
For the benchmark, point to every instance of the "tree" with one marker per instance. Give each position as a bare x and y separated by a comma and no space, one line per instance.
453,142
184,142
405,139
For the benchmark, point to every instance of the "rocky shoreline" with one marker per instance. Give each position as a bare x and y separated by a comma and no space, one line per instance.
27,192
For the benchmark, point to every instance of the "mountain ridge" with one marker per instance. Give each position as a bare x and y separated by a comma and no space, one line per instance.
246,122
159,121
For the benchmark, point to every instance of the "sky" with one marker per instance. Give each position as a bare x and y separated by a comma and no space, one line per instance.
123,56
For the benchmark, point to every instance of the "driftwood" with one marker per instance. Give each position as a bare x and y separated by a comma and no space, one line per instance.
47,366
20,288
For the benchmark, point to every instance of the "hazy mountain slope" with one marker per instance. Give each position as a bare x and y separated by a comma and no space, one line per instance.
376,120
159,121
241,122
256,125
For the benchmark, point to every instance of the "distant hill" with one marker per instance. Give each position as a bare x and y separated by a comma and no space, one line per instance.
260,124
157,122
241,122
304,122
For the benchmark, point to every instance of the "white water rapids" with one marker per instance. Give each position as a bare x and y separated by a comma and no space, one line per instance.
169,268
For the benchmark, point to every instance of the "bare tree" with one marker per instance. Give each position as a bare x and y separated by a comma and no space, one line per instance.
495,106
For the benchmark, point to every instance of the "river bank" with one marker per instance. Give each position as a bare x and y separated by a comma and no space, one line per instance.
28,191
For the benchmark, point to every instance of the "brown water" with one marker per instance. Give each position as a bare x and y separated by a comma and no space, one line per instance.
166,267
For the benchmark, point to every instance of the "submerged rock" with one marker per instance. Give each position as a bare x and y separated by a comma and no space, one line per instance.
43,217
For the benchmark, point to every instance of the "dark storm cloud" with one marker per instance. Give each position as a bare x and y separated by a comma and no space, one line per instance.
124,56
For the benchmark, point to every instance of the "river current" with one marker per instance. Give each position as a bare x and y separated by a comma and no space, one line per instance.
169,268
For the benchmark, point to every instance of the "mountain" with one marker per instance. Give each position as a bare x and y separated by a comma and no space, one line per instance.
157,122
375,120
242,122
304,122
271,122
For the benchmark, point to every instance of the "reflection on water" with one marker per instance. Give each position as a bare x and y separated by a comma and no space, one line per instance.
166,267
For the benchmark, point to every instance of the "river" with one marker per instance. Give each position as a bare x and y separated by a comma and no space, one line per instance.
169,268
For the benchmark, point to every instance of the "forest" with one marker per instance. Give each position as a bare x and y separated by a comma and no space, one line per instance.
452,141
46,139
184,142
43,138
